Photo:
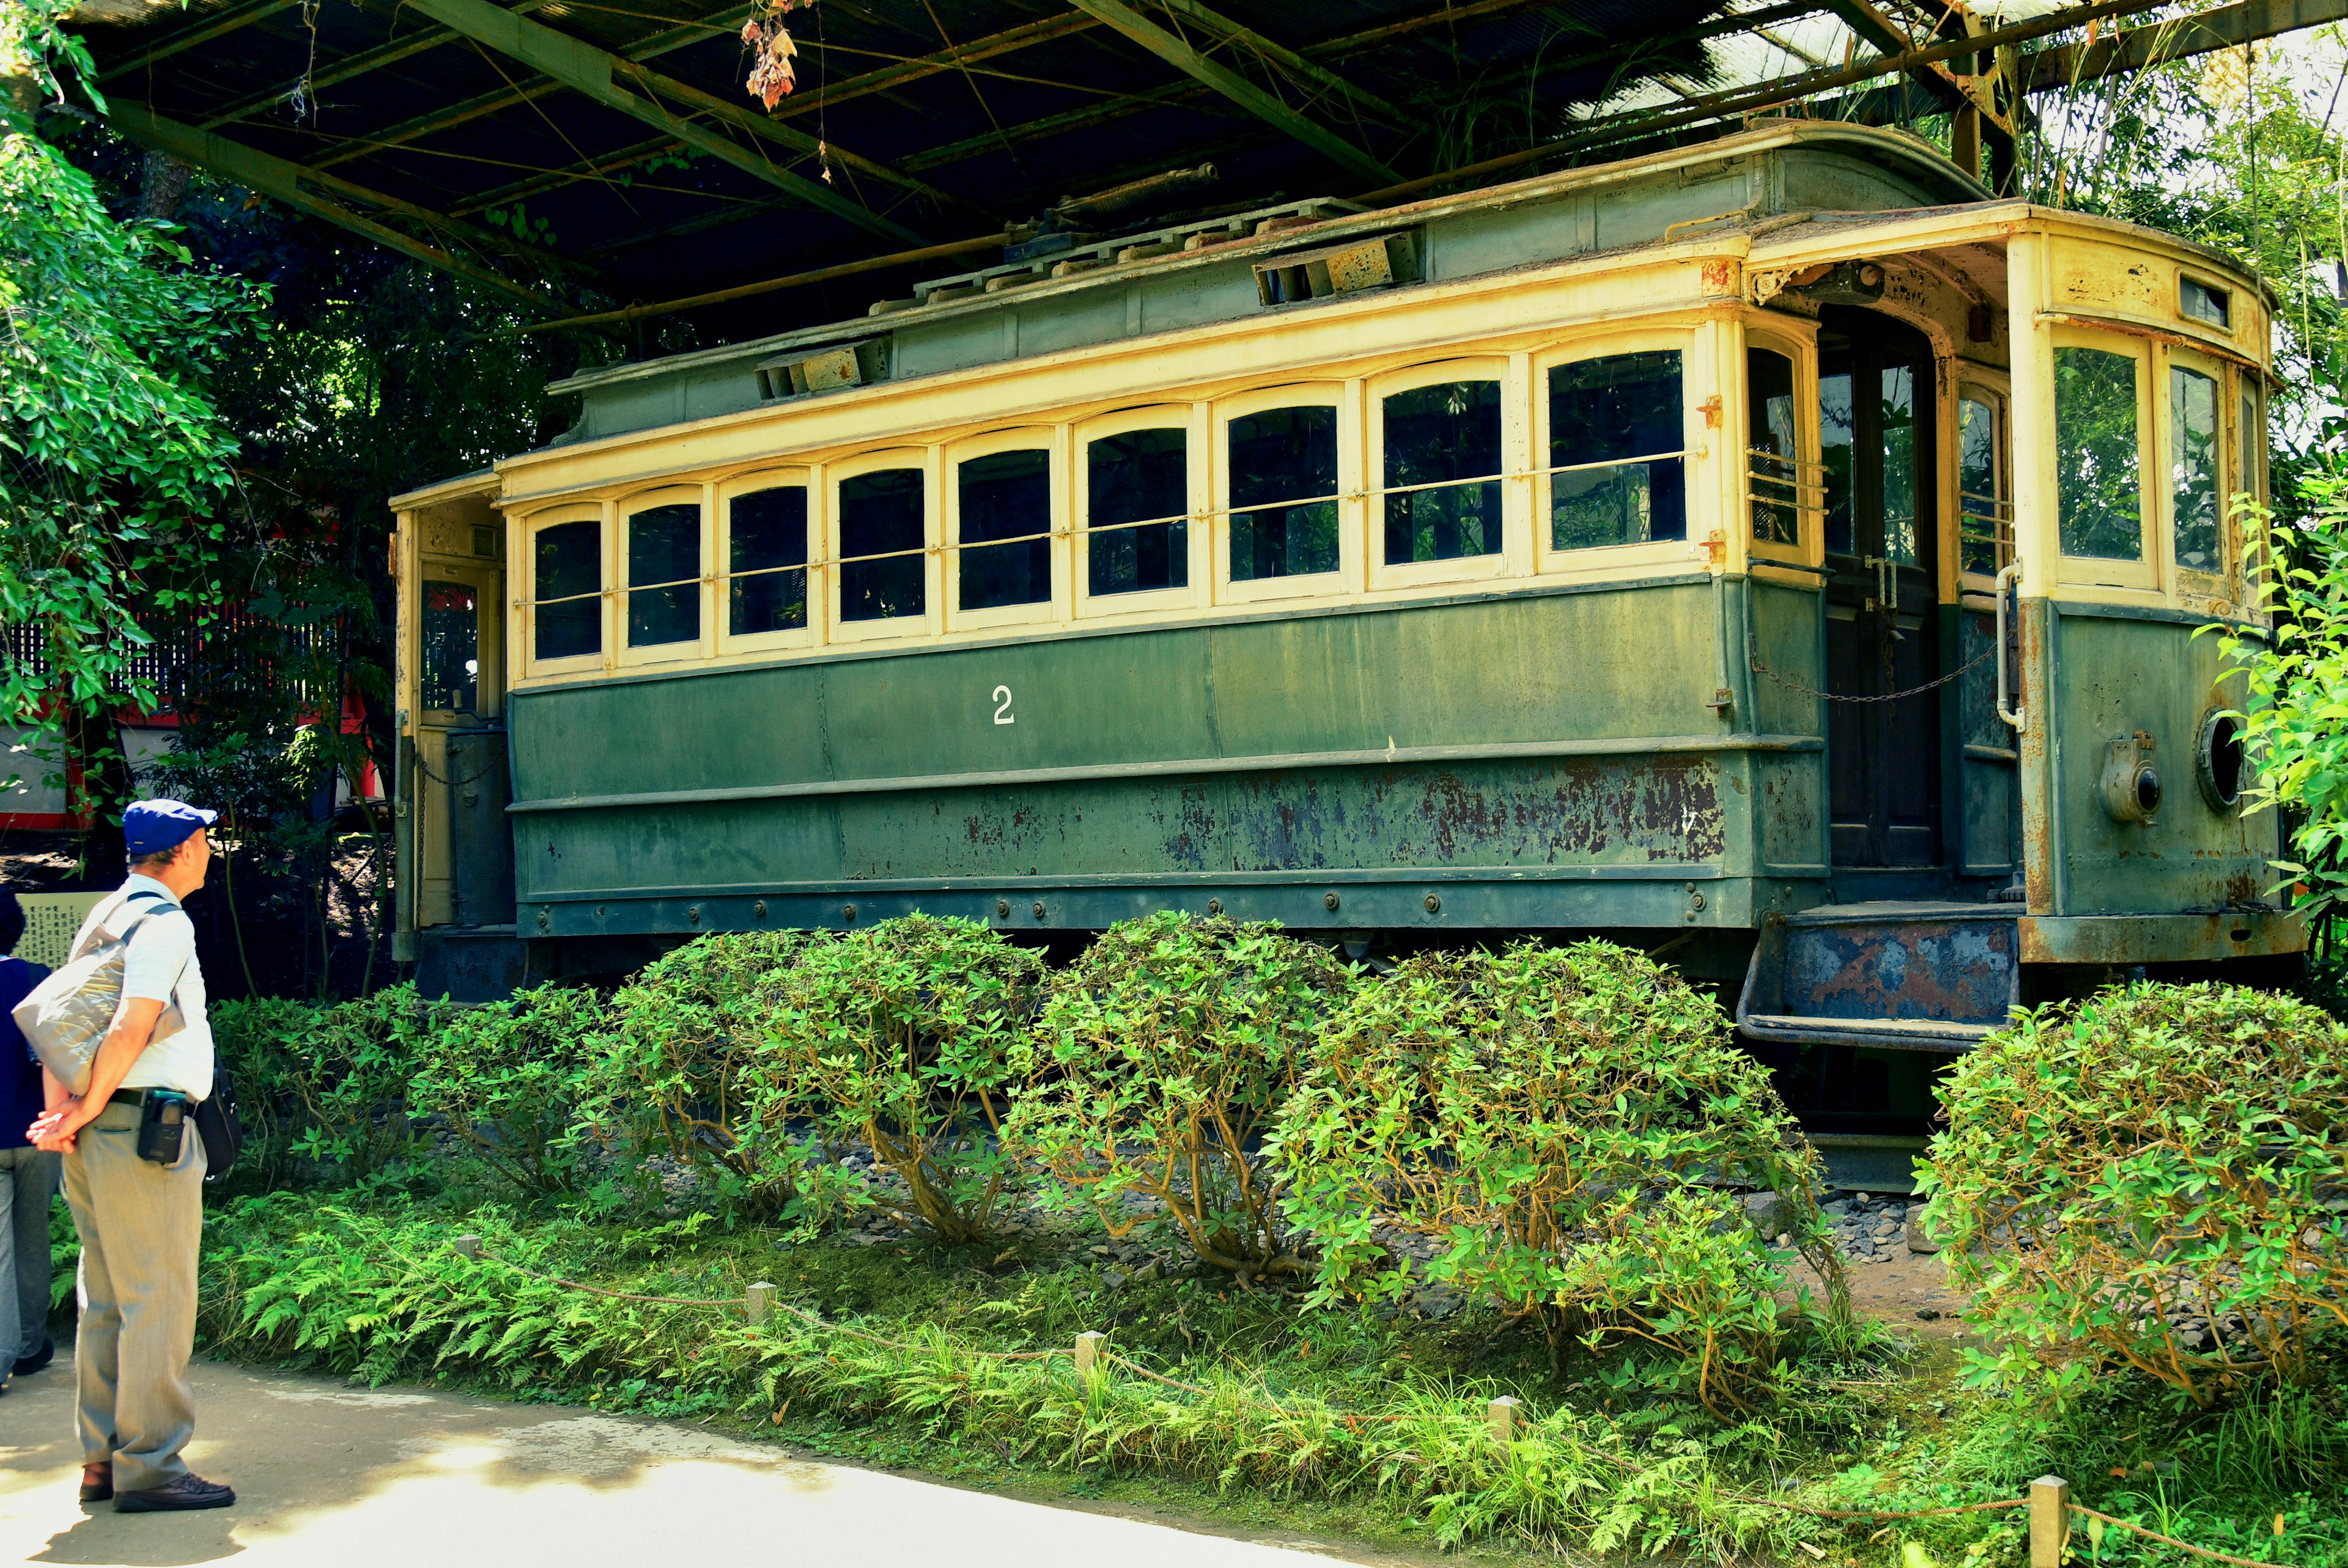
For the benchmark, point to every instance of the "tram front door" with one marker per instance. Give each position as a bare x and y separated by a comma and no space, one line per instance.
1876,425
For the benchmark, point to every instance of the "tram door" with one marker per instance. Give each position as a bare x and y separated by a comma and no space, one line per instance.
1876,427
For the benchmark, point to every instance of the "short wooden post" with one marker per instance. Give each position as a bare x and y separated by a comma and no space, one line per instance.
761,1303
1503,1415
2050,1520
469,1247
1089,1345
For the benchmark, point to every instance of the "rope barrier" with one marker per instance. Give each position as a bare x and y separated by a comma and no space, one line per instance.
2171,1540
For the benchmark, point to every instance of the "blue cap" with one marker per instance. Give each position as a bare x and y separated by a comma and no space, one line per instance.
152,826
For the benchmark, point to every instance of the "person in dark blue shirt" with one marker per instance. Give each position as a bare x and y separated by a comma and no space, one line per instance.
29,1177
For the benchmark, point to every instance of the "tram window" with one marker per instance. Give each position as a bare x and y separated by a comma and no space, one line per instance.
1284,493
1773,451
2097,459
1006,496
1137,492
453,646
1985,527
1837,445
1617,425
1898,420
2198,302
881,536
665,575
2193,476
766,561
567,575
1445,437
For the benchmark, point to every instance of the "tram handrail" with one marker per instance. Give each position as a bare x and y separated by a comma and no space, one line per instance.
2016,716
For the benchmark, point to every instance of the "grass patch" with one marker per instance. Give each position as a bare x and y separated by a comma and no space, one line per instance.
1322,1418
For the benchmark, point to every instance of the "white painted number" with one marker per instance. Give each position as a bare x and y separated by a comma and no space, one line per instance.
1002,706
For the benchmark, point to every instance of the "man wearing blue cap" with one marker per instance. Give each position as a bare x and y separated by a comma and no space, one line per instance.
141,1220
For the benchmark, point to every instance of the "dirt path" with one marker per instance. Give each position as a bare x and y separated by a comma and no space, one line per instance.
327,1473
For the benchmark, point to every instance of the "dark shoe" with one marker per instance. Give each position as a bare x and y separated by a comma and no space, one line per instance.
38,1359
190,1491
100,1490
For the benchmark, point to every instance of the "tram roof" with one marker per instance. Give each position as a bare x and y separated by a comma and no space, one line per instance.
610,143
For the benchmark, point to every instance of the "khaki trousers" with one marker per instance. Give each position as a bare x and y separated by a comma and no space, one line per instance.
140,1225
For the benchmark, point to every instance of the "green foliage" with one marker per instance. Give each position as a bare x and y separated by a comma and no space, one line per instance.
903,1036
2294,691
689,1065
381,1295
507,1078
1515,1109
112,460
324,1086
1163,1053
2155,1153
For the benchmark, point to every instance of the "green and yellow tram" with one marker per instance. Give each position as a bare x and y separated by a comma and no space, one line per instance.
1774,553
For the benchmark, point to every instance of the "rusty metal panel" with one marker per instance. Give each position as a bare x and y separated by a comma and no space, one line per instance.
2161,938
1929,977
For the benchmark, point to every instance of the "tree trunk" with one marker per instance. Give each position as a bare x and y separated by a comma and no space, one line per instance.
96,742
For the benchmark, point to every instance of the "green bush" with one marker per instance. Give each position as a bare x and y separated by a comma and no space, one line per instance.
903,1036
2156,1154
1523,1111
1163,1053
689,1063
508,1078
323,1085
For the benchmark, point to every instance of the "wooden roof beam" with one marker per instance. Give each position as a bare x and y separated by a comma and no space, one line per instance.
219,24
1934,76
1175,52
1286,59
351,67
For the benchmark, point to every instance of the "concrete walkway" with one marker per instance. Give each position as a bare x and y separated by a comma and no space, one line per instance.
329,1474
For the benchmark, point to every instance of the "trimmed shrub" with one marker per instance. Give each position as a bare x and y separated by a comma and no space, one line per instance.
1543,1115
324,1086
688,1065
1163,1053
2151,1178
903,1036
508,1078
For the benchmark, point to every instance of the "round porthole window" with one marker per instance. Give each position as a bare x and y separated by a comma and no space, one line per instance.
2218,760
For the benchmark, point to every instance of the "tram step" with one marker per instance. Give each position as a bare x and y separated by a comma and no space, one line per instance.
1905,977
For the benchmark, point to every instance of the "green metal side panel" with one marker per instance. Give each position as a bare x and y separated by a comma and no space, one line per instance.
2115,672
1515,759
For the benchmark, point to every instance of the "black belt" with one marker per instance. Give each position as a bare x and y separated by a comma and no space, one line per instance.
127,1097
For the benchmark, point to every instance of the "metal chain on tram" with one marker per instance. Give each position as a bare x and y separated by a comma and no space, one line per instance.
1753,658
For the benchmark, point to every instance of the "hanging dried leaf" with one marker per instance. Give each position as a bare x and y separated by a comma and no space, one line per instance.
771,50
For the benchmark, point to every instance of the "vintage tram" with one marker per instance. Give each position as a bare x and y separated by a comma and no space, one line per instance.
1774,553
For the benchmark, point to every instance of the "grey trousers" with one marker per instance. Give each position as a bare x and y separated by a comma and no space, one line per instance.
140,1225
28,1179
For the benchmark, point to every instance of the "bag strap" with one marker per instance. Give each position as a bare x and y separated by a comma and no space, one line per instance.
166,906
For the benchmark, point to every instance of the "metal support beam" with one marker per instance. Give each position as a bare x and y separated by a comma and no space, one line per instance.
1286,59
216,25
1234,86
2226,27
591,72
349,67
322,195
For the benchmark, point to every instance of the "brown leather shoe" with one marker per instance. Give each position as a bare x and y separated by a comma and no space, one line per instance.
96,1482
189,1492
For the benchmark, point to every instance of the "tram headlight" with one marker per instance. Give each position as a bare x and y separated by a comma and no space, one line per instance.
2218,760
2131,784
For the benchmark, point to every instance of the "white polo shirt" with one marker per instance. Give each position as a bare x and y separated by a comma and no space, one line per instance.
161,966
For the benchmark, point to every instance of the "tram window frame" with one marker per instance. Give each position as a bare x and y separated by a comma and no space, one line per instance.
628,655
1550,559
533,524
2144,573
923,459
2250,459
1343,398
806,635
1808,488
1050,440
1976,385
1510,560
2205,580
1194,420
